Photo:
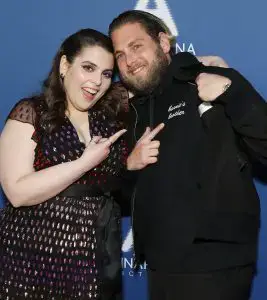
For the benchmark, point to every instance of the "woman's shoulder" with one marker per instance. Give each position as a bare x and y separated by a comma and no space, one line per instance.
25,110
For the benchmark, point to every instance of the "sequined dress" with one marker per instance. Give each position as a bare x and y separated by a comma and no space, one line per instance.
67,247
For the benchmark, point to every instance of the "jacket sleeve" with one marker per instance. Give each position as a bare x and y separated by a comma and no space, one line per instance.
247,112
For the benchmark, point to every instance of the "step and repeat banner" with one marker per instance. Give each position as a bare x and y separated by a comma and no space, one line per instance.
31,31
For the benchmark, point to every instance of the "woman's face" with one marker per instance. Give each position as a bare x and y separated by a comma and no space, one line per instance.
88,77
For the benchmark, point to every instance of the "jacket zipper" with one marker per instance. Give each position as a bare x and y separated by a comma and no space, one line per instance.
151,112
134,191
151,124
136,120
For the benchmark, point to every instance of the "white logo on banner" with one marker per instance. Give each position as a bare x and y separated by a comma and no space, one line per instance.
163,12
128,241
127,261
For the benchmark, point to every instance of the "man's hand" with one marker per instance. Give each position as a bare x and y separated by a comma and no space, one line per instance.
146,150
214,61
211,86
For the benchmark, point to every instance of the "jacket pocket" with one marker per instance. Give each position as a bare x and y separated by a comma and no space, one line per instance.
229,227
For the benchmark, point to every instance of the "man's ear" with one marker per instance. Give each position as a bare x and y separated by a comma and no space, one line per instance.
164,41
63,66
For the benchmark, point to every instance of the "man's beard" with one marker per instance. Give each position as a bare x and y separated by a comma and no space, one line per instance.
146,85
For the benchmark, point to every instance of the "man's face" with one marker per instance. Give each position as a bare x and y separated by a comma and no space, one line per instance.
141,60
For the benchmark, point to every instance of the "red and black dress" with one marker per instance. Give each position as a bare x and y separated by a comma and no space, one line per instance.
67,247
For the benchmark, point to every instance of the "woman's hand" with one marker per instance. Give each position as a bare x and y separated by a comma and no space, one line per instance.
98,149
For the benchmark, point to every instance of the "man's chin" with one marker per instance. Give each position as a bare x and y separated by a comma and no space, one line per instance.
138,86
141,90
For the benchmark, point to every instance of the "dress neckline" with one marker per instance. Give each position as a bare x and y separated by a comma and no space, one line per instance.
75,130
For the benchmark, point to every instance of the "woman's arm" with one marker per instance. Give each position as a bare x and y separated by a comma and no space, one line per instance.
21,184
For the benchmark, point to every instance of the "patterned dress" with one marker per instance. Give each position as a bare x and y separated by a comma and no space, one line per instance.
67,247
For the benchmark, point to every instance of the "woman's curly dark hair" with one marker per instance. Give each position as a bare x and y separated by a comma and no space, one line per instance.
53,96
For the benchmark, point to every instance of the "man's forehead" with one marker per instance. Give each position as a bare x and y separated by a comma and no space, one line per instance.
127,34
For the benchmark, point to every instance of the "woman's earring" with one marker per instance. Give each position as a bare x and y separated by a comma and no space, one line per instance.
62,76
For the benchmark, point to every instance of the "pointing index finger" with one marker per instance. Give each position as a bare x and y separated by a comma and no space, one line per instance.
113,138
154,132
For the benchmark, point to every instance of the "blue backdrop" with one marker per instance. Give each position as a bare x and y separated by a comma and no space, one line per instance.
31,31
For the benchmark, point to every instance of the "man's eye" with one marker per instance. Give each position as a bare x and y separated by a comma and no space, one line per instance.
118,56
135,47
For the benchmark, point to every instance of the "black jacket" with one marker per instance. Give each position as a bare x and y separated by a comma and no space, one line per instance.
198,202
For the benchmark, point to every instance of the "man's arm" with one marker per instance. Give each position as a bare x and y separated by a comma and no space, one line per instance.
211,60
244,106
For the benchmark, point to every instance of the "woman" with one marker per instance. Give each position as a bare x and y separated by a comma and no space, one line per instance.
61,156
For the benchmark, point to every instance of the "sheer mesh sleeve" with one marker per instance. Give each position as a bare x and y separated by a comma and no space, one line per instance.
24,112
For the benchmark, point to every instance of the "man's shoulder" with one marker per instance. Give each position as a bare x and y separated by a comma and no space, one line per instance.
183,59
185,66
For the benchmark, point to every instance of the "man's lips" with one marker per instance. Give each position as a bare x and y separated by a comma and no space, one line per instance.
136,70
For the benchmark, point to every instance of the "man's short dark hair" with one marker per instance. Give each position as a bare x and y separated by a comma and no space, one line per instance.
151,24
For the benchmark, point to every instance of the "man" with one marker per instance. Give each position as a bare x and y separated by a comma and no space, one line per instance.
195,207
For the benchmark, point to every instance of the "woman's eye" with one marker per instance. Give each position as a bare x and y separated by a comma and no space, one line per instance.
88,68
108,75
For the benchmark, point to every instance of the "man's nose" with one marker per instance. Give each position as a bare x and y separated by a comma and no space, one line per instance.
130,59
